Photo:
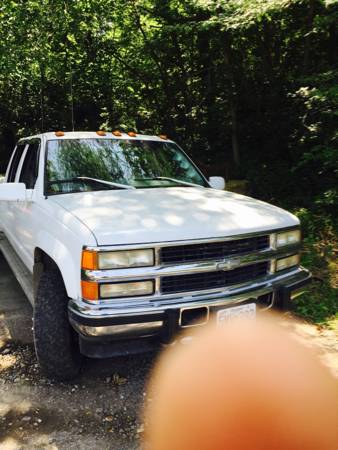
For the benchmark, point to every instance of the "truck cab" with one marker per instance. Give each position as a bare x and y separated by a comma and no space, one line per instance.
120,242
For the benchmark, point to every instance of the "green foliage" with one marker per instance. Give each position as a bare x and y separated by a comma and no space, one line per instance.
241,84
320,303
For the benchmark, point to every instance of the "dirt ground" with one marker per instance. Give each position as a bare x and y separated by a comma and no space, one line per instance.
99,410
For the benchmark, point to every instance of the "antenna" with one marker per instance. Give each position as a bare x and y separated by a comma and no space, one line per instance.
72,98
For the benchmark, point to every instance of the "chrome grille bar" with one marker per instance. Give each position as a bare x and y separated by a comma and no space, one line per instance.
213,251
210,280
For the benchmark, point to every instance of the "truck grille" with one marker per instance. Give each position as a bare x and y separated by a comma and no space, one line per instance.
212,251
213,280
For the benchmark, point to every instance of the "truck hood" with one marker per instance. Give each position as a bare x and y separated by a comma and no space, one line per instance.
171,214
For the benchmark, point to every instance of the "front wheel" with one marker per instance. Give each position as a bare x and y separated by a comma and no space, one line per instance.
56,343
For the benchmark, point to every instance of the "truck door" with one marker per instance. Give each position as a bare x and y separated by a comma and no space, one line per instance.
6,213
26,213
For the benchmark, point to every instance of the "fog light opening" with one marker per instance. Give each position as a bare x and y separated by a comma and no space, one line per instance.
193,317
265,301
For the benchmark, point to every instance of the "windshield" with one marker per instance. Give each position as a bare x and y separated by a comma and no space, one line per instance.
77,165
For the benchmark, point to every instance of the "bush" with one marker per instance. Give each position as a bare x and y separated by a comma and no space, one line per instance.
320,303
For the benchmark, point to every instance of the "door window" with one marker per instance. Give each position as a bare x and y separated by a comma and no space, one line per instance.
15,163
30,166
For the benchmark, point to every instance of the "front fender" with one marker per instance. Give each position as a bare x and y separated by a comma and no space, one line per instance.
67,258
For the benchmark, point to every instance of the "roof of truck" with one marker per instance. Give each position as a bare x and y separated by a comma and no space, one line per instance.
95,135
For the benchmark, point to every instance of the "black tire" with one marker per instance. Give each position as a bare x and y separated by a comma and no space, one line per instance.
56,343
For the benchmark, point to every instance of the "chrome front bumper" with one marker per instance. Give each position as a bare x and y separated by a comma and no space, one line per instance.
161,317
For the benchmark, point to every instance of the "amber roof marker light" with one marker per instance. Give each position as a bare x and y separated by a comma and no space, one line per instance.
117,133
101,133
163,136
59,133
132,134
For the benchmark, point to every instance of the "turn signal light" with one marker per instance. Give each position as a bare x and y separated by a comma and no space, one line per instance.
89,260
117,133
59,133
101,133
90,290
131,133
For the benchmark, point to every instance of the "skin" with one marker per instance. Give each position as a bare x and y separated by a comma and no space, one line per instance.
246,385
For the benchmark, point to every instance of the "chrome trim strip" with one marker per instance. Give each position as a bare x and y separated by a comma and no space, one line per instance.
158,245
125,330
174,297
234,294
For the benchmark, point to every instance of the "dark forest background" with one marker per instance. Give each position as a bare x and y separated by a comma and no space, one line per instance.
247,87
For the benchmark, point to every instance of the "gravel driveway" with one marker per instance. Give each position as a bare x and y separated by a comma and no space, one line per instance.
100,410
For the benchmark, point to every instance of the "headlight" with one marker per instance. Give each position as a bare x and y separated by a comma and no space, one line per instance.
287,238
126,258
132,289
285,263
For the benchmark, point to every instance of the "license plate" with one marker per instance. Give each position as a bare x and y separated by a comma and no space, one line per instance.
236,312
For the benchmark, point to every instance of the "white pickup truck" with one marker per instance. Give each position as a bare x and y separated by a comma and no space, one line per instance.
120,242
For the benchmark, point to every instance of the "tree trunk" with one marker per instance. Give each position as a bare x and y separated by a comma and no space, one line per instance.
233,107
234,134
307,49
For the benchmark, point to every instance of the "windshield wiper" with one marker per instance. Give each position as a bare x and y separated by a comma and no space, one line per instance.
184,183
110,183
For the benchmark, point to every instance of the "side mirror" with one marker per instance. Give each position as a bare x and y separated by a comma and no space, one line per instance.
12,192
217,183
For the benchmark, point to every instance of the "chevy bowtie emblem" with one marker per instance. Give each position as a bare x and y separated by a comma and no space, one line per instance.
228,264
